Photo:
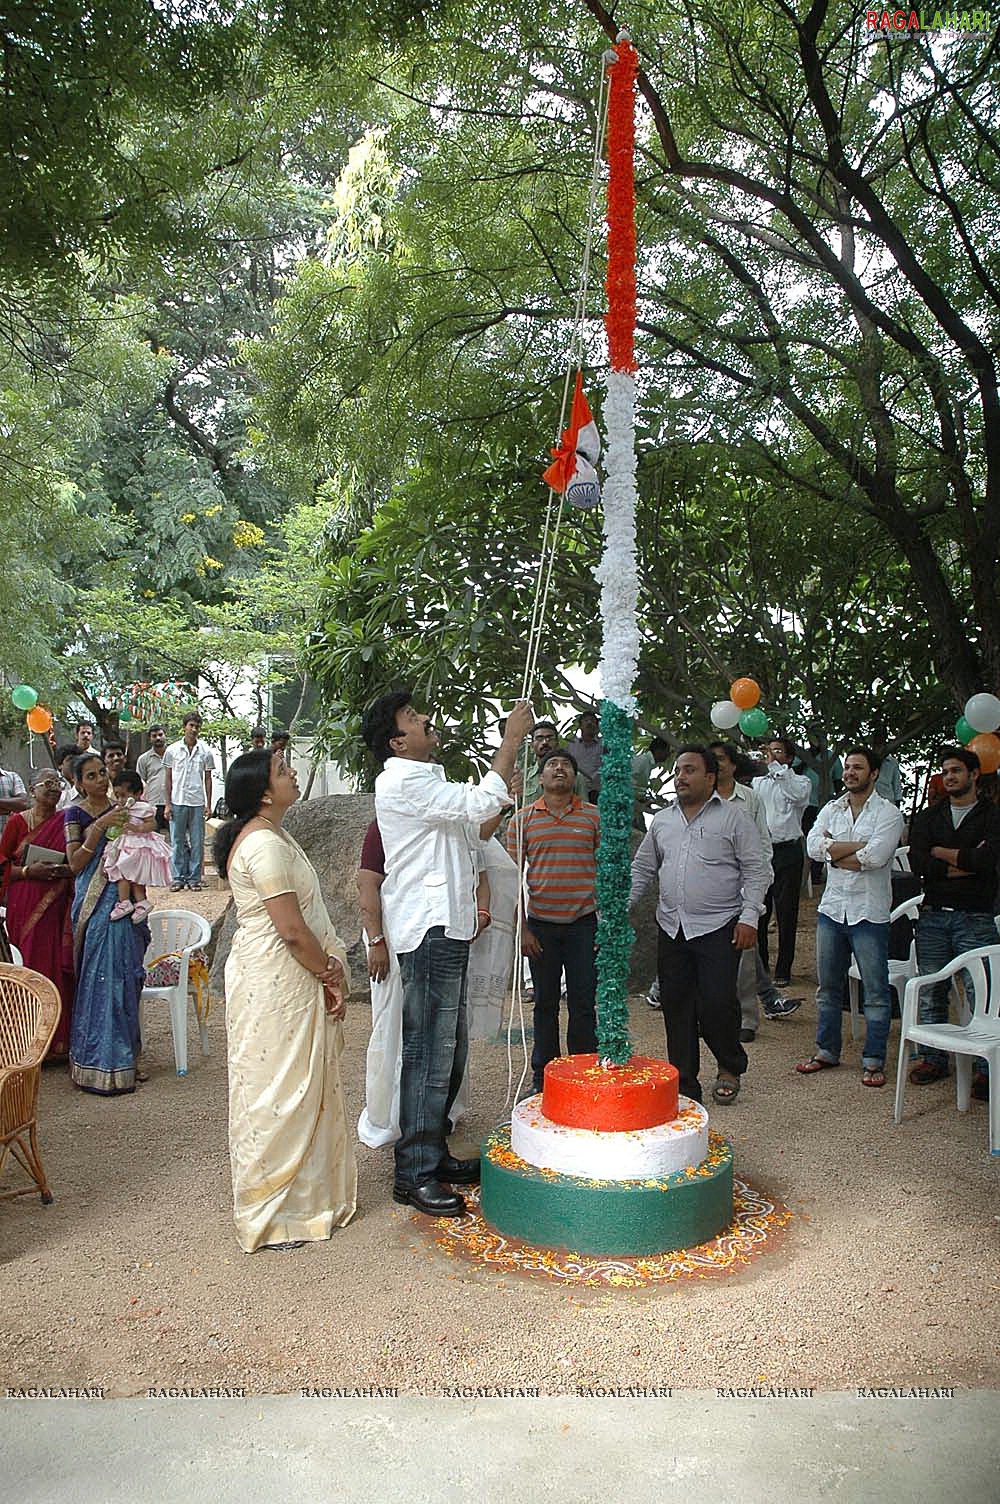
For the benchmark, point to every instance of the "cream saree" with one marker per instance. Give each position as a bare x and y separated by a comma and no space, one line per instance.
293,1166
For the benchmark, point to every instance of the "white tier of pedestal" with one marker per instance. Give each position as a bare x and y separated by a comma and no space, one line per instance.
640,1154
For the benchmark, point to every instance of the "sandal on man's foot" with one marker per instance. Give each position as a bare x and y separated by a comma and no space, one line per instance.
873,1075
813,1064
925,1071
726,1090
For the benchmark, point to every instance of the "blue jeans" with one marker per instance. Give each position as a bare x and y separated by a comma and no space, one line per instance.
868,943
187,842
435,1047
566,948
941,936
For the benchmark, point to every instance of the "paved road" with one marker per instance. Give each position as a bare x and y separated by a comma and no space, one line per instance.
689,1447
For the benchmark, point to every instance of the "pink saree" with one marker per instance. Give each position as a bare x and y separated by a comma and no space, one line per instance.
38,915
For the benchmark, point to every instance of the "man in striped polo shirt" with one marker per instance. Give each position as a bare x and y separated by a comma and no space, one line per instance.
557,838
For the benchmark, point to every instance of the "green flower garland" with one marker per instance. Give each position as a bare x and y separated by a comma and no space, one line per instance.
614,880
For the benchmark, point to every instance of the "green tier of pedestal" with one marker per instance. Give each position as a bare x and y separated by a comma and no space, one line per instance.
624,1217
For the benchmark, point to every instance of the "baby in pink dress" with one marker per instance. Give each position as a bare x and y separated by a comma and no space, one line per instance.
136,857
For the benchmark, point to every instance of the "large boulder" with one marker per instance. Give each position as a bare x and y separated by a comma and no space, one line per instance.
330,831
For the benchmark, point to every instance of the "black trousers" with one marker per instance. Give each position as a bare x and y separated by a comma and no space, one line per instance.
698,997
782,898
566,948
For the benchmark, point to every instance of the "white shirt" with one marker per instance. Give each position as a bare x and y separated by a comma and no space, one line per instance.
70,795
784,795
753,807
187,766
855,897
11,785
430,833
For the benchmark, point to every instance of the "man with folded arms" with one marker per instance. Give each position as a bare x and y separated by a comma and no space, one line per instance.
856,836
954,848
430,828
706,854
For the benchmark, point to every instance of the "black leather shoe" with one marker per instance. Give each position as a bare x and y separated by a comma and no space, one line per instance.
432,1198
458,1171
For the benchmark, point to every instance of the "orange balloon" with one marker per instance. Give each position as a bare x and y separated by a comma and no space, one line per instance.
986,747
745,693
39,719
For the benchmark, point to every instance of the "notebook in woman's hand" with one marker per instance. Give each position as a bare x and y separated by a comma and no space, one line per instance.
43,854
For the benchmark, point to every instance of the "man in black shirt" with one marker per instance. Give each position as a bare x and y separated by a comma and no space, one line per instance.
954,848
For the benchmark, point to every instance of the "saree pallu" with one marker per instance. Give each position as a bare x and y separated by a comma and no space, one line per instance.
38,918
104,1038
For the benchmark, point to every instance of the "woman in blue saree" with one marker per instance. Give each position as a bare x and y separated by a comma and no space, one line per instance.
104,1042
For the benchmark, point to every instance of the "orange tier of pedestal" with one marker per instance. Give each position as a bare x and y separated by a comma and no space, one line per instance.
581,1093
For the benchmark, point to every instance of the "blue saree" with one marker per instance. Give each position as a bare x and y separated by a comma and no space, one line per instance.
104,1041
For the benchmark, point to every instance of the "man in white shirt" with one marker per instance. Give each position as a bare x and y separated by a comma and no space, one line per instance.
754,983
65,760
784,796
151,767
856,836
189,767
429,828
13,796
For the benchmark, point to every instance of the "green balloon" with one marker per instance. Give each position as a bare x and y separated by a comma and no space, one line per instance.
125,715
24,697
963,731
754,723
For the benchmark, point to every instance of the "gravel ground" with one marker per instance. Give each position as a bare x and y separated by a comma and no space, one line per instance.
133,1278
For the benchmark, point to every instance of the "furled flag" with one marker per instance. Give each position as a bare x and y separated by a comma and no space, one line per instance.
572,471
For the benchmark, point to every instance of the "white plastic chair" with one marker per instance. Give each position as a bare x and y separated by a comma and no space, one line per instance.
176,933
980,1035
901,859
899,971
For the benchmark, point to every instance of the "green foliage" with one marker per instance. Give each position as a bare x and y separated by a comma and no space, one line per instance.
819,452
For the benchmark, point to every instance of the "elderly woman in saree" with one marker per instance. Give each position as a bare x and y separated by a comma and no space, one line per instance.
38,891
104,1038
293,1166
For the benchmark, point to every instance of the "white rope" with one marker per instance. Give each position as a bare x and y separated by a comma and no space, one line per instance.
543,583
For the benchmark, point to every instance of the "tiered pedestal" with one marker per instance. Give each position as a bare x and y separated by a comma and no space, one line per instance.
608,1161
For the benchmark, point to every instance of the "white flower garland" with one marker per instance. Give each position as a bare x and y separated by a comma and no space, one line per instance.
616,573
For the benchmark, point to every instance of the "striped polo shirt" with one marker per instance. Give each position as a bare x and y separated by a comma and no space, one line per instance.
560,852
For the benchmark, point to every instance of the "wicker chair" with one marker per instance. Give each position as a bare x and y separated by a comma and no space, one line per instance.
29,1015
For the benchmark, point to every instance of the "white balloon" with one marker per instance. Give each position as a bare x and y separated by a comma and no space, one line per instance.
983,712
725,714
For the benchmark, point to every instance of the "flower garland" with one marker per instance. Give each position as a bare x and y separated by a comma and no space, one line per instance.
616,572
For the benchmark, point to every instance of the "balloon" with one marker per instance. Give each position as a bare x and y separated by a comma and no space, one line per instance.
745,693
963,731
754,723
125,715
39,719
983,712
24,697
725,714
987,749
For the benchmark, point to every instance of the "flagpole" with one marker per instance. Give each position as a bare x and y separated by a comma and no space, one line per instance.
617,572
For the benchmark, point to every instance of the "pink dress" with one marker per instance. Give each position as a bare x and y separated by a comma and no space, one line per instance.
139,856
